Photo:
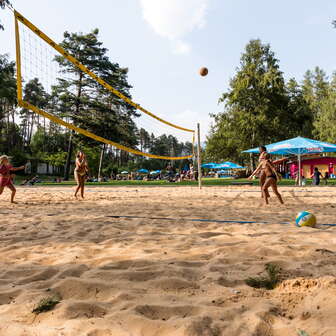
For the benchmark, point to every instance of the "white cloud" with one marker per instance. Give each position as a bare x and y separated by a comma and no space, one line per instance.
174,19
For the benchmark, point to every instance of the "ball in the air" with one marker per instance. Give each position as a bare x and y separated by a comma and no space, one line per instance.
203,71
305,218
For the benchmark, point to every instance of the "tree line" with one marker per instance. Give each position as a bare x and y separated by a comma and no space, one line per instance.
78,99
261,107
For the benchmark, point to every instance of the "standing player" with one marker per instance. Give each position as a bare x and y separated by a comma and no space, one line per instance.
262,174
271,178
80,173
6,179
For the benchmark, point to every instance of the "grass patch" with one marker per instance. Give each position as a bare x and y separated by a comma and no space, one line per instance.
205,182
269,281
302,333
46,304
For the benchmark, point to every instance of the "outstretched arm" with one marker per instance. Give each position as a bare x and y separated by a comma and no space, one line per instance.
256,170
18,168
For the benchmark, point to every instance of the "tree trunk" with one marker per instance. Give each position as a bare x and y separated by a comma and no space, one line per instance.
101,162
252,164
68,160
70,147
31,128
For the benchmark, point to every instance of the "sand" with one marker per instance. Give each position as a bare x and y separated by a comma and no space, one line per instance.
159,273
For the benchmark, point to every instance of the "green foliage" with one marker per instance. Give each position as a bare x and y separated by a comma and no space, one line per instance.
9,133
35,94
301,116
3,4
48,146
85,102
302,333
18,158
56,159
46,304
88,104
255,107
325,123
260,108
269,281
323,100
7,79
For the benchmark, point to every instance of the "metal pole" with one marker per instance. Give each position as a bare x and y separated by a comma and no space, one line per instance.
199,156
101,162
299,156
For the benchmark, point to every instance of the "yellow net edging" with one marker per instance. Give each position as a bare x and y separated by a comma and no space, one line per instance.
24,104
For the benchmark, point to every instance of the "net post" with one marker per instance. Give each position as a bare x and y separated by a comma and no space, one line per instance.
101,162
18,60
199,156
300,182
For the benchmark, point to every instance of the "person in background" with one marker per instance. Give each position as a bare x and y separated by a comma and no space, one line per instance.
6,179
303,181
297,179
191,170
316,176
170,171
326,177
80,173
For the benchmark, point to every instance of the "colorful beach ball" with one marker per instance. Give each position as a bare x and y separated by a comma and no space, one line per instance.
305,218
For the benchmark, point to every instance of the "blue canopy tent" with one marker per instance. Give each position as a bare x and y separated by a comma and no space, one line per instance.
297,146
228,165
225,165
155,172
143,171
210,165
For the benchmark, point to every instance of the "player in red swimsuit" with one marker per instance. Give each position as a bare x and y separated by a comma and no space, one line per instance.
5,175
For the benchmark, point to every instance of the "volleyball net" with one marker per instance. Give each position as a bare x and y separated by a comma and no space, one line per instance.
40,67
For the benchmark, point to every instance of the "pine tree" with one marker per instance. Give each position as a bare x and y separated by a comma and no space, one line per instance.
325,121
301,116
255,107
9,134
87,104
35,94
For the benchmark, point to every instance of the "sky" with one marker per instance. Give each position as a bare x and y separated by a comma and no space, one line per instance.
165,42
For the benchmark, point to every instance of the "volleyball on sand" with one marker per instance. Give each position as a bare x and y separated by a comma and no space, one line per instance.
203,71
305,218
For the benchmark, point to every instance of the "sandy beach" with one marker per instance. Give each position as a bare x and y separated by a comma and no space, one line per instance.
130,261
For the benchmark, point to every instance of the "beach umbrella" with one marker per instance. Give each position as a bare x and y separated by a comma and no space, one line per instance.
297,146
154,172
228,165
209,165
143,171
